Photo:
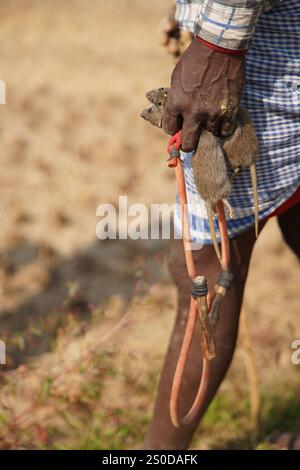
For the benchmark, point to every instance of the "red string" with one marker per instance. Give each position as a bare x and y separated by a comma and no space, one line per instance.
222,49
175,140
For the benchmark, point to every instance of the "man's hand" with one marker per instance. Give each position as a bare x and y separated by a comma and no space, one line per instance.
205,91
174,39
171,33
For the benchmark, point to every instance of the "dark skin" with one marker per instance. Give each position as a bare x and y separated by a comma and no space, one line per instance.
161,433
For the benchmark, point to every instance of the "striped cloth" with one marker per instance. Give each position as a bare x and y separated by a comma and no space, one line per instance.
225,23
272,95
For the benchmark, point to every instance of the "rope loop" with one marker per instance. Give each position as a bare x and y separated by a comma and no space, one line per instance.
199,287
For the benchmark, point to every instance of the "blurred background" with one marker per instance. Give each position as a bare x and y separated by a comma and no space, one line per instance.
86,322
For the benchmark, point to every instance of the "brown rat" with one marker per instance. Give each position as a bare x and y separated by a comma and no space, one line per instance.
209,169
241,147
211,178
158,97
152,115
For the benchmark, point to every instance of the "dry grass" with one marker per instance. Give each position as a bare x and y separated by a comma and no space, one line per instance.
87,322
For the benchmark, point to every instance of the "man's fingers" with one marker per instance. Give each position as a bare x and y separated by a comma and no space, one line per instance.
166,33
227,127
169,26
165,38
213,125
171,121
191,131
173,46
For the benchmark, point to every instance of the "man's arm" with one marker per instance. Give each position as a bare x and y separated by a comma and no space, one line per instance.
208,80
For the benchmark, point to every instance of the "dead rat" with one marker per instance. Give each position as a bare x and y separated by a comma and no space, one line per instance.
211,179
242,151
209,169
158,97
153,115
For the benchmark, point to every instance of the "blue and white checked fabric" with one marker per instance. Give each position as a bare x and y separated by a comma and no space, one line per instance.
226,23
272,95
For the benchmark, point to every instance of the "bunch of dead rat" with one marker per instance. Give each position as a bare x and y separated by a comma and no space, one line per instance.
212,179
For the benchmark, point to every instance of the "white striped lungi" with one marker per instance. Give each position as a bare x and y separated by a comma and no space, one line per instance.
272,95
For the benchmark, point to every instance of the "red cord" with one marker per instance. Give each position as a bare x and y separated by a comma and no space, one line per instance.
175,140
222,49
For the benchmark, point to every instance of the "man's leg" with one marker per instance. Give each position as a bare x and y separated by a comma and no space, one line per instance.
289,223
162,434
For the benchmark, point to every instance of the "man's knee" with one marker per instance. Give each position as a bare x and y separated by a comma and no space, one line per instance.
206,264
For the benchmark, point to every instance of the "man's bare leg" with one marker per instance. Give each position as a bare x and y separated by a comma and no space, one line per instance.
161,433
